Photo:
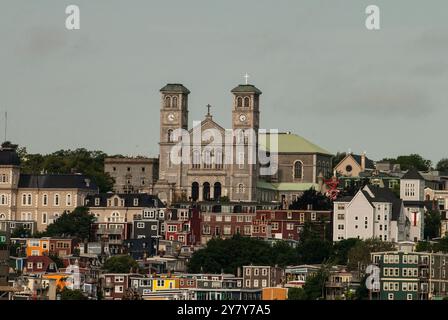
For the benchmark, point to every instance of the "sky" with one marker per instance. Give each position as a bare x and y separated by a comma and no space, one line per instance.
323,75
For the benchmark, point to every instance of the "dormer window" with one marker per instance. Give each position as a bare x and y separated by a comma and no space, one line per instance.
135,202
97,201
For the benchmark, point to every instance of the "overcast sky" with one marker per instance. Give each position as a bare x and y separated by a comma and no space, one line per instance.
323,75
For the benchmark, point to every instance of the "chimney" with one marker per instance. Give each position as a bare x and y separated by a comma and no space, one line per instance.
363,161
238,272
87,182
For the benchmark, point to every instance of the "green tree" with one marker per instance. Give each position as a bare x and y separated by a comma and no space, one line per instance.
441,245
432,224
359,255
341,250
68,294
296,294
442,165
90,163
75,224
314,286
314,250
407,162
362,293
227,255
120,264
317,200
21,232
423,246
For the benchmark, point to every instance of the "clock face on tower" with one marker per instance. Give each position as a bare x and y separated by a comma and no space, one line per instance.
243,117
171,117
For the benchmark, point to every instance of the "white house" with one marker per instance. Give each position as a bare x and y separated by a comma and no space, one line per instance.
372,213
412,192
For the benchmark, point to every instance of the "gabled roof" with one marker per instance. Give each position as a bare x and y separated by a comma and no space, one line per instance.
369,163
412,174
46,262
144,200
56,181
289,143
384,195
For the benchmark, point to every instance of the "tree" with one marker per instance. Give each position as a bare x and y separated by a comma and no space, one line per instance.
362,293
317,200
359,255
432,224
341,250
296,294
314,250
407,162
442,165
423,246
441,245
90,163
68,294
75,224
21,232
227,255
58,261
314,286
120,264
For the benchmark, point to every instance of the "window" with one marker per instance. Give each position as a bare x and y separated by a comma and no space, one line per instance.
118,289
135,202
44,218
264,283
56,200
247,271
246,101
340,227
240,188
239,102
340,216
313,216
264,272
298,169
348,168
3,199
45,200
247,230
154,227
69,200
140,225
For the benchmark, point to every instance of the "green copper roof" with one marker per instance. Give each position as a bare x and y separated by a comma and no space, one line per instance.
175,88
249,88
286,186
290,143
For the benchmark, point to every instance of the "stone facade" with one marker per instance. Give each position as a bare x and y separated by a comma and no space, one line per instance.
132,175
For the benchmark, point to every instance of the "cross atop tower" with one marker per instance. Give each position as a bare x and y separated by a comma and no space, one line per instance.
208,109
246,76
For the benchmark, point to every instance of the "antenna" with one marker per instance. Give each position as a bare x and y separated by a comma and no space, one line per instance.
6,124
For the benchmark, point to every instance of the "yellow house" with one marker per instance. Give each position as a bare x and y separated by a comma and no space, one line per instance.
160,284
37,247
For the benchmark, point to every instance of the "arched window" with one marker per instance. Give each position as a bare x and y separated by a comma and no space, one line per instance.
45,199
298,169
29,199
239,102
168,102
196,159
240,188
246,101
218,159
3,199
170,135
207,159
194,191
56,199
69,200
116,202
174,102
217,190
24,199
115,217
2,216
206,191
